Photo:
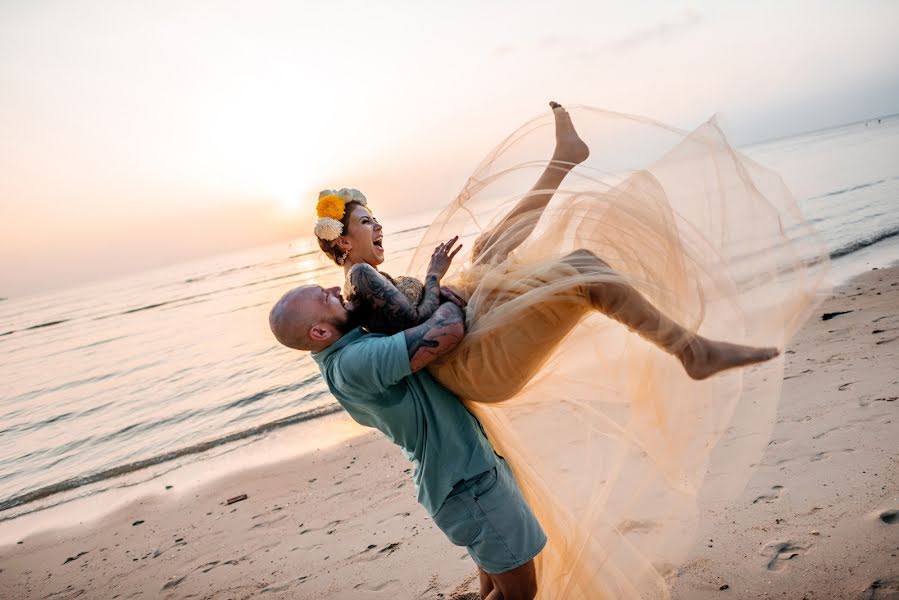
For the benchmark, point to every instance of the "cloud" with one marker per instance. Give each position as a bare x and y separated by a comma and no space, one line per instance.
657,33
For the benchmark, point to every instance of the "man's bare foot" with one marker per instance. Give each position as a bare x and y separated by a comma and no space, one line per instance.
703,357
570,148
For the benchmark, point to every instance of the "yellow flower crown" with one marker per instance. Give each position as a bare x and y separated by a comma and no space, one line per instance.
331,209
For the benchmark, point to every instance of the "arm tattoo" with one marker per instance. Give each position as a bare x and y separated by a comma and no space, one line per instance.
388,310
435,337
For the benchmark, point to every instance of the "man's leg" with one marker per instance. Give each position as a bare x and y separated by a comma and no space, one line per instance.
486,583
520,221
489,515
519,583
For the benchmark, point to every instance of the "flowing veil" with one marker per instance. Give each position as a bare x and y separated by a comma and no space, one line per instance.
614,446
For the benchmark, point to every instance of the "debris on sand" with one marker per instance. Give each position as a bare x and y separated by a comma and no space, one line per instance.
830,315
76,557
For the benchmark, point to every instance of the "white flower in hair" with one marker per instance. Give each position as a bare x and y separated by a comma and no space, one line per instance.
328,229
352,195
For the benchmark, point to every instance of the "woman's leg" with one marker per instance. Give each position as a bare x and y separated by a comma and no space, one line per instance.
499,355
700,356
515,227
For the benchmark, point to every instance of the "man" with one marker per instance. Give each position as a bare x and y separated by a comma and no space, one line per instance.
380,380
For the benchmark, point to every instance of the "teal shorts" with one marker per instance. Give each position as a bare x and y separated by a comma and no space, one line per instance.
489,516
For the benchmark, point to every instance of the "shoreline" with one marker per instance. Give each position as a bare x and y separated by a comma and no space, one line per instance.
342,520
253,453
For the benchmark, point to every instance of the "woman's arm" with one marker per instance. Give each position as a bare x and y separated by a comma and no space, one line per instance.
389,310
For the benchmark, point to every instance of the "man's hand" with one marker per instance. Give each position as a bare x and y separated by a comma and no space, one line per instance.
437,336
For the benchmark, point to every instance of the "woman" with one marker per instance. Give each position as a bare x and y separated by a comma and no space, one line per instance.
694,237
494,370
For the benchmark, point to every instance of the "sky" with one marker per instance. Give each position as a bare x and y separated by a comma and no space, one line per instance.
143,133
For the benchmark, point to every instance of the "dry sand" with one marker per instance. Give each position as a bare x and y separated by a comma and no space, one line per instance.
820,518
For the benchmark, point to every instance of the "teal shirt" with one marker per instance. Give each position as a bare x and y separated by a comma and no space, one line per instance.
370,376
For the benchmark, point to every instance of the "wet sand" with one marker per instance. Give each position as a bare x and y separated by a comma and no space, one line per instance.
819,519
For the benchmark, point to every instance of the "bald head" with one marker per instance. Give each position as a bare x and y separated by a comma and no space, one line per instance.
289,322
309,318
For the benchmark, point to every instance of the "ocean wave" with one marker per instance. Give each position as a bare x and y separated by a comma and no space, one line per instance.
38,326
849,189
186,300
82,480
411,229
22,398
230,270
859,244
178,301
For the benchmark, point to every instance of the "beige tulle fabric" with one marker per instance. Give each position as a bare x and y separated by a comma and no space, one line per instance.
614,446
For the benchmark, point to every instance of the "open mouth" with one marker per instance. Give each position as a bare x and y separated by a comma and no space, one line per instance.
378,243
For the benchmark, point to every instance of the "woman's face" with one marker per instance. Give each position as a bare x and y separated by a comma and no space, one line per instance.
362,241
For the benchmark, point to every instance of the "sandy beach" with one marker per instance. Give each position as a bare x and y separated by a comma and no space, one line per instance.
819,519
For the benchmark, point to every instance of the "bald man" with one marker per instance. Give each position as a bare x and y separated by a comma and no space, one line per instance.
380,380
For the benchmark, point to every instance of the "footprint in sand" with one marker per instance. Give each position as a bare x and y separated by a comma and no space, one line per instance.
395,516
173,583
330,527
833,429
269,522
882,589
778,553
283,587
798,374
826,454
377,587
771,497
381,553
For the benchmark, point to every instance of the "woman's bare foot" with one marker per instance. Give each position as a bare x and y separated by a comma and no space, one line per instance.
570,148
703,357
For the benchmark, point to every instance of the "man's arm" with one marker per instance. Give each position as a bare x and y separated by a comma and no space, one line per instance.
437,336
367,369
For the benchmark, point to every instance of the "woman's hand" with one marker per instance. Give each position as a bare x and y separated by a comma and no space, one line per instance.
448,294
442,257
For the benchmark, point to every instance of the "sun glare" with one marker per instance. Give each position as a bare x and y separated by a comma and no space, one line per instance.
291,204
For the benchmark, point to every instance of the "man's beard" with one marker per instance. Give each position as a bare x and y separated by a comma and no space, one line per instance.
351,322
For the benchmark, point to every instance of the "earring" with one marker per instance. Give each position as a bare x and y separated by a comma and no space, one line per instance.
342,258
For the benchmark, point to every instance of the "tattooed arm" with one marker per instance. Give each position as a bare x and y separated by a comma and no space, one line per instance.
437,336
388,310
362,372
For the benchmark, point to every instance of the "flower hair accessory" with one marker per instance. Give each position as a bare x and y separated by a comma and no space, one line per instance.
331,209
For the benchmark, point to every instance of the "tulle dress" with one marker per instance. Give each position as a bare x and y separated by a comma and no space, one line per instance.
613,445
